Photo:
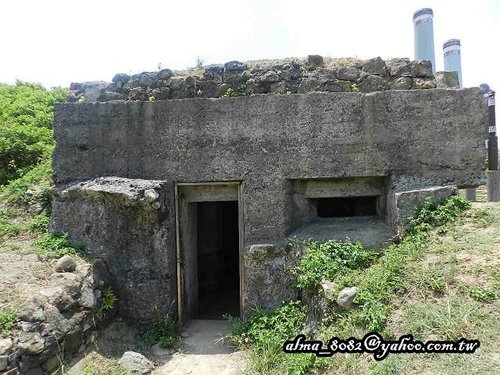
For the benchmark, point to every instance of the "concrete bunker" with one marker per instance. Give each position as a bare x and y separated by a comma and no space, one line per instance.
146,186
208,250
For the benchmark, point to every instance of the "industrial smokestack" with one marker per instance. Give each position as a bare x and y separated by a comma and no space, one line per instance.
452,58
424,36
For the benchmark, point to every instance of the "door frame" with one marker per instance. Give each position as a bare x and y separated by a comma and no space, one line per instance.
213,196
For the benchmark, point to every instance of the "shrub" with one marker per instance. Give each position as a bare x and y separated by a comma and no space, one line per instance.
26,116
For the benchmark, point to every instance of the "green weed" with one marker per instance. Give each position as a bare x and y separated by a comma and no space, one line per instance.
55,245
108,303
8,319
482,294
39,223
326,260
162,330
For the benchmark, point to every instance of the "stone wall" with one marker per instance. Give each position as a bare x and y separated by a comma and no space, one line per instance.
56,322
289,76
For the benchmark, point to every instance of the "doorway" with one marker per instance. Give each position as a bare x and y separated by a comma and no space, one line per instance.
208,250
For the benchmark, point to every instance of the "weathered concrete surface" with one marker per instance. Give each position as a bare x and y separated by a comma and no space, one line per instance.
266,140
407,202
116,221
371,231
380,144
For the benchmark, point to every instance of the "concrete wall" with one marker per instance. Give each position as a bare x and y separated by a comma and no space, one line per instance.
410,139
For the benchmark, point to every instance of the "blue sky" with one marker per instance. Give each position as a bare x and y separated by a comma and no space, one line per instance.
57,42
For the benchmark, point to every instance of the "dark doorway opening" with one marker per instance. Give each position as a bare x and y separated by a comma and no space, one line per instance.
347,206
218,259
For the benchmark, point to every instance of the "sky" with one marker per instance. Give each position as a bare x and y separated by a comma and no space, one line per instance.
58,42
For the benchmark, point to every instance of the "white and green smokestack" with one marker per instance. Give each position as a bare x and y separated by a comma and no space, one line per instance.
424,36
452,58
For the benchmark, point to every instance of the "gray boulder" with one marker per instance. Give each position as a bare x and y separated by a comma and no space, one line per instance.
136,363
373,83
345,299
399,67
121,77
421,68
348,74
447,80
66,264
165,74
314,61
235,66
401,83
375,66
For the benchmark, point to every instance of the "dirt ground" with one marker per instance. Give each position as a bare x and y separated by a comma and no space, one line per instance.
203,350
20,275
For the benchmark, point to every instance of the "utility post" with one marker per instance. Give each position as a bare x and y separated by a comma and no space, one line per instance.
493,174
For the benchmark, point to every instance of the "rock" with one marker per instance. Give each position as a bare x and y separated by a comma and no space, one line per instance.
375,66
148,78
121,77
235,66
4,361
58,298
423,83
88,298
75,86
290,71
314,61
92,90
135,363
447,80
66,264
309,85
165,74
373,83
268,77
32,309
156,205
137,93
336,86
421,68
401,83
399,67
346,297
35,209
5,345
108,96
328,287
177,83
30,343
214,72
68,281
348,74
278,87
151,195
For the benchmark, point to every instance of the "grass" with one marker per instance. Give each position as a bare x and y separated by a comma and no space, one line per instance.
8,319
438,283
162,330
96,364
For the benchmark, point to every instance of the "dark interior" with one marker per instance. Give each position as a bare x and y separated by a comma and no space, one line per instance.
346,206
218,260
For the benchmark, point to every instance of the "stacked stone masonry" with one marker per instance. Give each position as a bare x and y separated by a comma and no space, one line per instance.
289,76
